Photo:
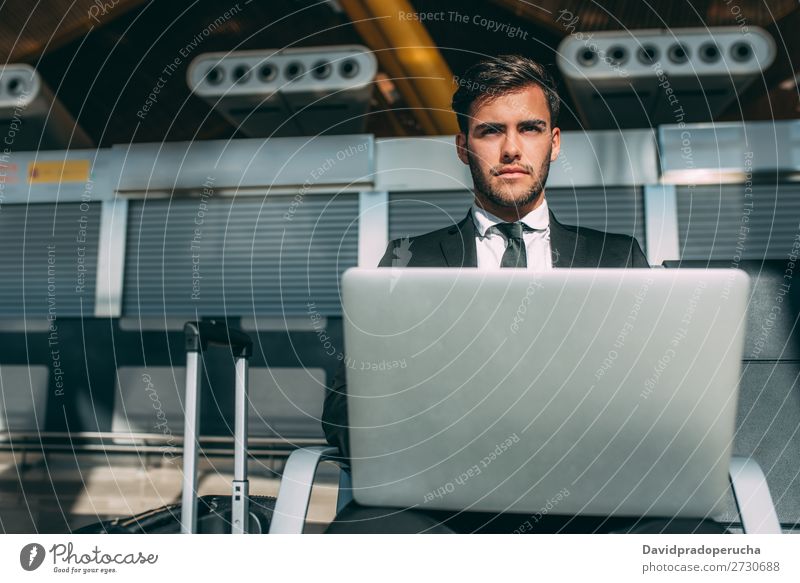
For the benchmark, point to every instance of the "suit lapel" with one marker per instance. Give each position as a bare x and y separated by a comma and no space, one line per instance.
567,247
459,247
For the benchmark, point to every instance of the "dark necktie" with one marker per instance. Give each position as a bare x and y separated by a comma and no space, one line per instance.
515,255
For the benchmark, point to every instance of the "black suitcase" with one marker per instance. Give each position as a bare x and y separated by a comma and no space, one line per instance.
213,517
213,514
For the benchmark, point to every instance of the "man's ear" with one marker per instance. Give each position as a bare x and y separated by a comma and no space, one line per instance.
556,143
461,147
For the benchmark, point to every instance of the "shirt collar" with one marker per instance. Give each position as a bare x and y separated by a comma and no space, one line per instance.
538,219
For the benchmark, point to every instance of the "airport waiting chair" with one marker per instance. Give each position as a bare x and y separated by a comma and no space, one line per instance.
748,487
294,494
769,387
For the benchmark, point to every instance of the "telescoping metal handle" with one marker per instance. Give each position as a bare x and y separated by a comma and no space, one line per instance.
199,335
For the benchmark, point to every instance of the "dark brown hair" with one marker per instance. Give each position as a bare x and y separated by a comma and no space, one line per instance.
496,76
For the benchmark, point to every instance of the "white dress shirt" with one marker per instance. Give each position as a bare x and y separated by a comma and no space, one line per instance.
491,244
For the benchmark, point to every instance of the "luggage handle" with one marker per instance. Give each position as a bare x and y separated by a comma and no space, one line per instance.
199,335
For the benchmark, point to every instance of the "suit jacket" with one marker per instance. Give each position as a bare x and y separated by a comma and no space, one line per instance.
455,246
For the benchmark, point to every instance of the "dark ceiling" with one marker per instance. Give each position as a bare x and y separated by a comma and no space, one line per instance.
102,57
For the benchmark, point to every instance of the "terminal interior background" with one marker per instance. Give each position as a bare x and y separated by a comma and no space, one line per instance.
164,162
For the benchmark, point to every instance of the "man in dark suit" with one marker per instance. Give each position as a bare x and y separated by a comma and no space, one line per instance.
507,109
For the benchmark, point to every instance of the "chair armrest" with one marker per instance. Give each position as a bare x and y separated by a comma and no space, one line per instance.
753,500
294,493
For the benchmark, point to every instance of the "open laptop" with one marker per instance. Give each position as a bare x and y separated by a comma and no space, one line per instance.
602,392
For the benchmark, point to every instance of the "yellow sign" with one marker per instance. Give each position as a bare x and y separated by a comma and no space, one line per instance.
55,171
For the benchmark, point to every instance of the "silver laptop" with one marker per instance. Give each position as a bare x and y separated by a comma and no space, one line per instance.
601,392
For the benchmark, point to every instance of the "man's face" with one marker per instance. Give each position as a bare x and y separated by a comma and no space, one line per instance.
509,147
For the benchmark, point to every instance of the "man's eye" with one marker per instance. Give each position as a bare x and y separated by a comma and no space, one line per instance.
489,131
531,128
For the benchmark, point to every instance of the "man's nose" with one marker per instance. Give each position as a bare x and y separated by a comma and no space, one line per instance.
511,150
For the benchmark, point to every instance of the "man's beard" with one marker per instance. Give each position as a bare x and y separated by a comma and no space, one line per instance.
502,199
